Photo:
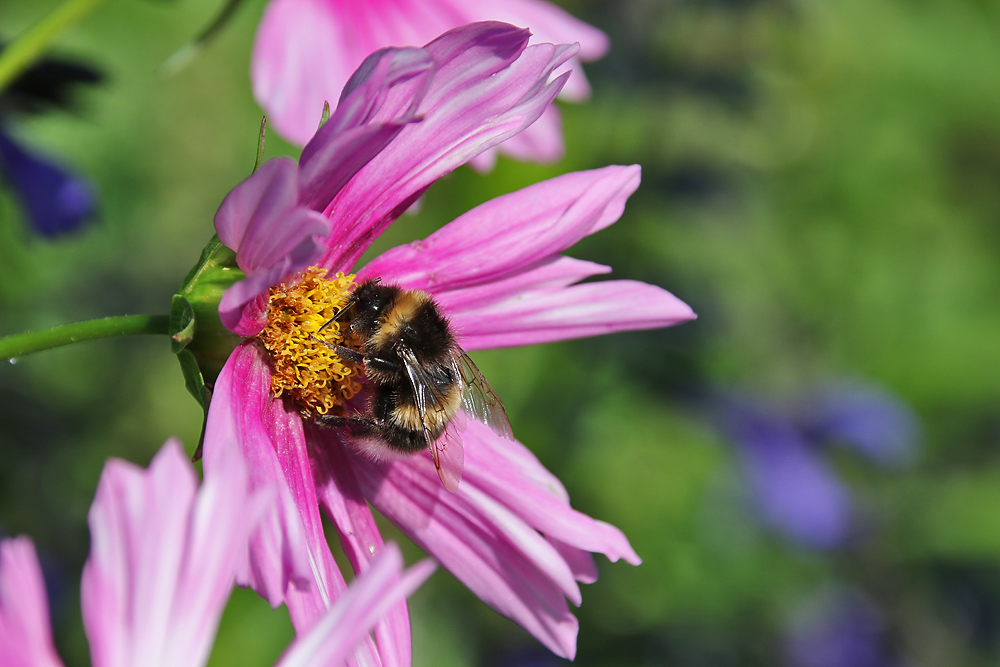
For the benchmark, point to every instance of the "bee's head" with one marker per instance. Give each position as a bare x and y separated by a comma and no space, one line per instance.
371,302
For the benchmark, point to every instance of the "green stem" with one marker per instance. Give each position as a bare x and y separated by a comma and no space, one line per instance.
26,49
182,56
18,345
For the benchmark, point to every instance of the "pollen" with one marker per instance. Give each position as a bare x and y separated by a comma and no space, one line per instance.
298,335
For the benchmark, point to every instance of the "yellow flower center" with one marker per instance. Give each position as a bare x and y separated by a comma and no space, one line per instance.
297,334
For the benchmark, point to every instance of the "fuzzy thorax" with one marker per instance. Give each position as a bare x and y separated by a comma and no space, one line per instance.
303,364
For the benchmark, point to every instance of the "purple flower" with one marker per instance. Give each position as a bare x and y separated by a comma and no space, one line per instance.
839,627
306,50
407,117
862,417
795,489
162,562
54,200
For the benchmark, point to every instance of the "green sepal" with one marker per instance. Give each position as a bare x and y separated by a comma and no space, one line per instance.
182,323
198,338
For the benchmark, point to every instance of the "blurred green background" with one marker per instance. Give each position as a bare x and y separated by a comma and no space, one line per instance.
821,182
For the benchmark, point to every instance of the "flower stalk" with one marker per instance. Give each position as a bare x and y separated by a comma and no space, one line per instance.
16,346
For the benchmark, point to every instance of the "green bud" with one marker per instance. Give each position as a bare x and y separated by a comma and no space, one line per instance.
325,116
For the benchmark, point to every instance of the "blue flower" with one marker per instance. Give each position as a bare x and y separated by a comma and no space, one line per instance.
783,449
54,200
838,627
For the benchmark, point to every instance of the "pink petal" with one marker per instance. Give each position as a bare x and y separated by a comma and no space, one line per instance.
347,623
344,502
25,637
542,141
236,308
551,314
389,84
114,624
486,161
510,473
488,88
162,560
252,314
305,50
550,23
253,219
273,235
471,547
579,560
288,551
487,534
289,559
495,270
511,232
298,64
552,273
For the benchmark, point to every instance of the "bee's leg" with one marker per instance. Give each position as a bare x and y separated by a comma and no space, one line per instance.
346,353
360,358
330,421
355,357
358,424
383,365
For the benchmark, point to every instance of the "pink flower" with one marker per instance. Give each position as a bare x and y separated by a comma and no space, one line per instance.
25,637
161,568
509,532
306,50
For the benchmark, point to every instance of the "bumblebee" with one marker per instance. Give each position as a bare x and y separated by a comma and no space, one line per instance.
420,380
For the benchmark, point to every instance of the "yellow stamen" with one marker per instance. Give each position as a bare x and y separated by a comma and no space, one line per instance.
304,367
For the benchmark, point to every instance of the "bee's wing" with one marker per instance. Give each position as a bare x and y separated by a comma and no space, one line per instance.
478,398
447,451
449,456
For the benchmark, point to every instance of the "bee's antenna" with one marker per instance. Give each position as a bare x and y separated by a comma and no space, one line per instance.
330,321
336,316
350,302
340,313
